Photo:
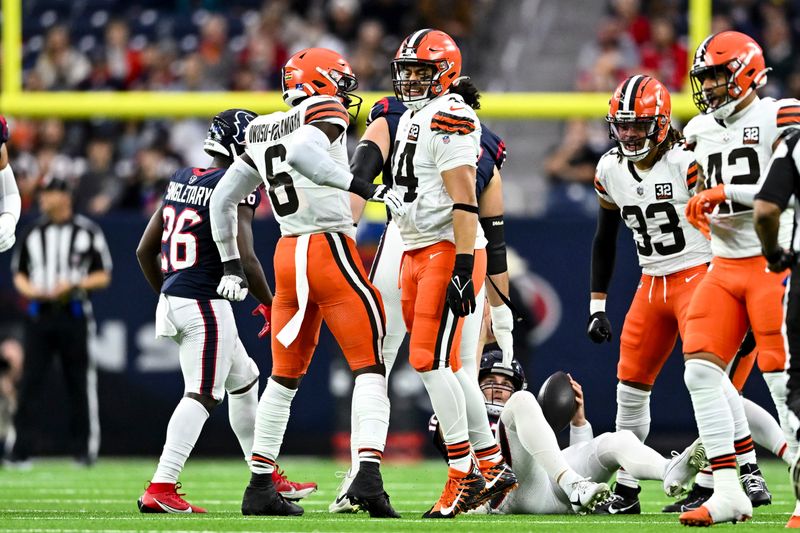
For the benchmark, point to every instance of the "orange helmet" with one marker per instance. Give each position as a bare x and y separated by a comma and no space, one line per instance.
737,57
316,71
429,48
639,116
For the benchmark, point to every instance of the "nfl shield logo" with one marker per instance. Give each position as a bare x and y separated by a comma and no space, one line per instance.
640,190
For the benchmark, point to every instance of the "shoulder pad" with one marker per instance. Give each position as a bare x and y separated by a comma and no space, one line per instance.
327,109
453,116
494,145
388,105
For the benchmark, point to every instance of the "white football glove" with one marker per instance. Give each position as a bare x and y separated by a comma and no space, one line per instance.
8,224
392,200
502,326
230,288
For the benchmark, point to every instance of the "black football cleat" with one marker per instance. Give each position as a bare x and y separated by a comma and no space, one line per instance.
261,498
367,492
624,500
693,499
754,484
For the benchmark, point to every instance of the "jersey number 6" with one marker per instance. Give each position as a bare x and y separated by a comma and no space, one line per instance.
281,187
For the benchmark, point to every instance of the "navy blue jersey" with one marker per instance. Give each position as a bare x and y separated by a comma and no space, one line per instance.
189,258
493,149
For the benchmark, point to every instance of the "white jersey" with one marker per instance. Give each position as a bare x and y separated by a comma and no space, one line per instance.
301,206
736,151
652,205
443,135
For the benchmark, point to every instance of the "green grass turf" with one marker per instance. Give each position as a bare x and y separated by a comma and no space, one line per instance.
57,496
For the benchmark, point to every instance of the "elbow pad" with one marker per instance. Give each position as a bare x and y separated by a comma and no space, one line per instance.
493,229
367,161
308,154
10,200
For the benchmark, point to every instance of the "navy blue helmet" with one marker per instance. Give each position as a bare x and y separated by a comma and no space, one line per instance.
226,134
492,363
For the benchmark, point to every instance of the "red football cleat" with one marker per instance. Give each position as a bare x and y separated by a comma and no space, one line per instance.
291,490
165,498
794,522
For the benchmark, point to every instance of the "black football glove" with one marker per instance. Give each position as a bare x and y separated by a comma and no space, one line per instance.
460,291
781,259
599,328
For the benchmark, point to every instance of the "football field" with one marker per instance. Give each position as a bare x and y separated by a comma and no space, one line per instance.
57,496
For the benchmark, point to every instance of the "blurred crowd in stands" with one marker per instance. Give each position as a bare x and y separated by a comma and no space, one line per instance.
200,45
650,37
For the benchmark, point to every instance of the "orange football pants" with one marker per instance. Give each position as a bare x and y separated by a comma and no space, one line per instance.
735,294
338,292
655,319
435,332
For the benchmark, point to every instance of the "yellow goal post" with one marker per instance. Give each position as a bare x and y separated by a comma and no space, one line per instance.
14,100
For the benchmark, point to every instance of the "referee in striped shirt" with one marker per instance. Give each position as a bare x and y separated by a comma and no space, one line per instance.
58,260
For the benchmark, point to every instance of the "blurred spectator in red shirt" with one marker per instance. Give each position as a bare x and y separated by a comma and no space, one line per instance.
124,64
664,56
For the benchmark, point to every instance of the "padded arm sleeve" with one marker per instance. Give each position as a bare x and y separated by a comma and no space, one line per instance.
239,181
10,200
308,154
604,249
493,230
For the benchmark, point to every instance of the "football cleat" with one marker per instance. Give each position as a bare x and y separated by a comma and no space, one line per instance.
696,497
585,495
366,491
460,494
262,499
754,484
291,490
500,480
624,500
794,522
342,503
683,466
165,498
733,507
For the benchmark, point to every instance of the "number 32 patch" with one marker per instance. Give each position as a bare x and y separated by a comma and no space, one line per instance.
663,191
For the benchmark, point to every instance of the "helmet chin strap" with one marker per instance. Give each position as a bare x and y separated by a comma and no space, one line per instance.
639,154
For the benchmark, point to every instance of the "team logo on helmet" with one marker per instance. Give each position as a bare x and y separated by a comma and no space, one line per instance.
226,134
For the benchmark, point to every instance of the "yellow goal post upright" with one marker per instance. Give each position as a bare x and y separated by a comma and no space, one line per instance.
14,100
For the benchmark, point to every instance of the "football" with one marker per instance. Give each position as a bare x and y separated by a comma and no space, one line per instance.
557,400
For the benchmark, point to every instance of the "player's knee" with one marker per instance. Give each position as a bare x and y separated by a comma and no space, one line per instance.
288,382
771,360
421,360
700,374
624,438
244,389
205,400
522,404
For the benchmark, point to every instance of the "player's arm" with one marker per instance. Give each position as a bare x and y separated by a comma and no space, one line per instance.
770,202
10,199
239,180
368,159
256,279
604,252
460,185
148,253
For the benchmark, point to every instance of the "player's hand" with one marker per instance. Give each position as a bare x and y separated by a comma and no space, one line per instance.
781,259
233,285
599,327
8,225
461,291
579,419
701,204
502,327
392,200
266,312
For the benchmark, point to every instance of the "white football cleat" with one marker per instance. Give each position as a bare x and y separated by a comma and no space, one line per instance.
732,506
681,469
585,495
342,503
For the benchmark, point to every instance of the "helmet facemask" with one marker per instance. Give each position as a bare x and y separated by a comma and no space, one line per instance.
721,97
416,81
636,136
491,389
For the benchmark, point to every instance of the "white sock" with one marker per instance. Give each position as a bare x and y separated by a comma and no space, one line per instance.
272,416
242,417
705,478
353,437
776,382
183,430
766,430
523,415
371,402
633,414
480,433
742,441
447,399
711,409
624,449
796,509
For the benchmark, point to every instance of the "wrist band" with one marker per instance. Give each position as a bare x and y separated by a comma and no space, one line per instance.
596,306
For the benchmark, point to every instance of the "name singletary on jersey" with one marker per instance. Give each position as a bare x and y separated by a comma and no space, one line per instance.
652,205
443,135
301,206
736,151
